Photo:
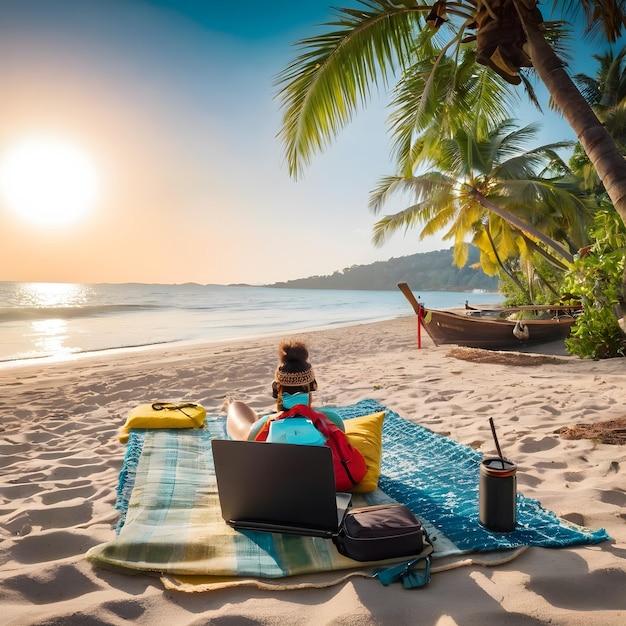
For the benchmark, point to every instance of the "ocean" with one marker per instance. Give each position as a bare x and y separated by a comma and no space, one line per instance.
58,321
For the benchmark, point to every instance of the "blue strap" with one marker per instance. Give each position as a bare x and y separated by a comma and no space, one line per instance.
413,574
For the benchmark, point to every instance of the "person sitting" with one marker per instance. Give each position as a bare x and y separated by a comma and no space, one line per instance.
293,384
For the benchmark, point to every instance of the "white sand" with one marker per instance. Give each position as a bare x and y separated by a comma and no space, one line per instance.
60,461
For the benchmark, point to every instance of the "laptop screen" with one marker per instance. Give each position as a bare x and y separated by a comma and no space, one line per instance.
277,487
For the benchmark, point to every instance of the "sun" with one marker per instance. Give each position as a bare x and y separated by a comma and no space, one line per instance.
48,180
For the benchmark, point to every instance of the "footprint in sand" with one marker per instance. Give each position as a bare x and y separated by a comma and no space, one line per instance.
82,489
18,525
125,609
530,444
551,465
526,480
41,588
575,518
19,491
51,546
74,513
614,497
574,477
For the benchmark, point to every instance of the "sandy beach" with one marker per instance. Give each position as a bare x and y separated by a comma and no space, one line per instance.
61,459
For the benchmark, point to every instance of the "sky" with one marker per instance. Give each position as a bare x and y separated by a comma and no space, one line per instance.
169,108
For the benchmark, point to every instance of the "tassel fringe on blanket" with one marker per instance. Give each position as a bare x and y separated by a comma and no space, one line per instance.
170,519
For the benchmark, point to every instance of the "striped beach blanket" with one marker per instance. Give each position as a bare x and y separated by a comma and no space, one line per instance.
171,519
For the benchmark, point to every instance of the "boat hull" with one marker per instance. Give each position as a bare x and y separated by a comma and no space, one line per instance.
445,327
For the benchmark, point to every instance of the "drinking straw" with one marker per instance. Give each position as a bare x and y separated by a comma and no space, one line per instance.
495,438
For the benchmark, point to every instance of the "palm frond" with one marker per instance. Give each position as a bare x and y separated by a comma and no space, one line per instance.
604,17
321,90
588,87
433,185
419,213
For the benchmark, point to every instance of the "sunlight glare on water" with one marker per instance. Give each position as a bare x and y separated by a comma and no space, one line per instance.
52,294
49,337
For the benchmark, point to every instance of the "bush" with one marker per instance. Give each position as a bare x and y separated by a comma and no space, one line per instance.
596,278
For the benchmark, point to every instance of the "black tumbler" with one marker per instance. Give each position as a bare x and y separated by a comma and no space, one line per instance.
498,494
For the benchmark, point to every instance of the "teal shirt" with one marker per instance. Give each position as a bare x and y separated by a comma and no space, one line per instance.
330,413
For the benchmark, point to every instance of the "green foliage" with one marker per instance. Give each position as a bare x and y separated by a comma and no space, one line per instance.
596,335
513,295
539,282
596,278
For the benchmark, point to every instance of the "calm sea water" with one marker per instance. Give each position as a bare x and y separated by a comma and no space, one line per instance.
56,321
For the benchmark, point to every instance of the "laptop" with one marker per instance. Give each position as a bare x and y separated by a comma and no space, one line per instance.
278,487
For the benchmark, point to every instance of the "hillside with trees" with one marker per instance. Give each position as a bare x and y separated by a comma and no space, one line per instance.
428,271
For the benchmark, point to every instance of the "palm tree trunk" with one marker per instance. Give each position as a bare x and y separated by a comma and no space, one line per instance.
597,143
509,273
547,283
545,254
507,216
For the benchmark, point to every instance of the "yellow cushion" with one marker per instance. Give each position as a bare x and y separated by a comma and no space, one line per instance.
366,435
171,415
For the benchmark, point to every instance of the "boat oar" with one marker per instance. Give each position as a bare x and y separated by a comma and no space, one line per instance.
495,439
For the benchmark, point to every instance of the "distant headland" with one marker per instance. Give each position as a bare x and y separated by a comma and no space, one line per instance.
426,271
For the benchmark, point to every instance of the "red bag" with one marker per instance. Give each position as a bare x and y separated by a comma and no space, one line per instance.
349,464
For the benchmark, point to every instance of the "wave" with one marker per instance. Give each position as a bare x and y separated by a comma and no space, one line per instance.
26,359
14,314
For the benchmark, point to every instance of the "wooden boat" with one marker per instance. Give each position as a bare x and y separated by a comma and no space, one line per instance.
493,330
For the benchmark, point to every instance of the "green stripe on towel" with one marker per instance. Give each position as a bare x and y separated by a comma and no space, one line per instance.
171,520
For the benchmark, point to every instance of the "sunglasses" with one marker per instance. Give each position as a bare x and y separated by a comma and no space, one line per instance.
171,406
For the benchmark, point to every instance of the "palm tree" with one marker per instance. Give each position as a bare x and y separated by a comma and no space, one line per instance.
322,89
445,100
428,104
606,94
495,193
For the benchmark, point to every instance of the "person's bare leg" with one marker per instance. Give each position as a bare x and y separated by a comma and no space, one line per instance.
239,418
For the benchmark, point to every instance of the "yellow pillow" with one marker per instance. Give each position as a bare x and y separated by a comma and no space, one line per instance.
366,435
163,415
